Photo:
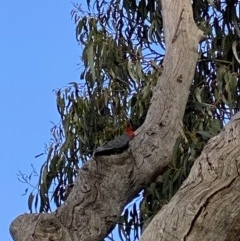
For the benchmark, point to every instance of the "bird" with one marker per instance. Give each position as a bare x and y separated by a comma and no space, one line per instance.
116,146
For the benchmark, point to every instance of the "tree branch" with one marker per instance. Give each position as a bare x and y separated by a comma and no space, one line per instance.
105,185
206,207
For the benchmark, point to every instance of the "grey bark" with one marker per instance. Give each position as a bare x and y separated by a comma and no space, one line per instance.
206,207
105,184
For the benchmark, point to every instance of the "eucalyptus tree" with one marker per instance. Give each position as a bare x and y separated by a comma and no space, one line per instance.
172,70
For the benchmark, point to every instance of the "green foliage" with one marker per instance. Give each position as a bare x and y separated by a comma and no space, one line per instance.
122,56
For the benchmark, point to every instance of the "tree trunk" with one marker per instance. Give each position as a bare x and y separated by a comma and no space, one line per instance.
105,184
206,207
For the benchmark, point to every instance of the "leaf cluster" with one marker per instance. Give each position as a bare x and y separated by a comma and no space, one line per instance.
122,57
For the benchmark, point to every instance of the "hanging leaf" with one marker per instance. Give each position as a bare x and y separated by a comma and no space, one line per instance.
30,201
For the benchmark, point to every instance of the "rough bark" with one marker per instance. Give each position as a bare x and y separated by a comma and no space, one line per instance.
206,207
105,184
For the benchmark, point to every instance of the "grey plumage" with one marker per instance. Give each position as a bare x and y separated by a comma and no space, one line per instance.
118,145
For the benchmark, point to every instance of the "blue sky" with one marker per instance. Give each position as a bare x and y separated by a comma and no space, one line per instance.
39,53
